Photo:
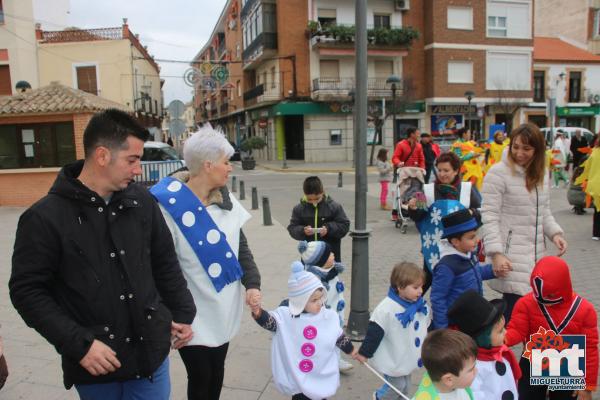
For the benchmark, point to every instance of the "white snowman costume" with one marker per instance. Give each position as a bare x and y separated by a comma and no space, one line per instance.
494,380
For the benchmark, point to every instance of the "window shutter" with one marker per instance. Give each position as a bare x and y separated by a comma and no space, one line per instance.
383,69
330,69
5,84
86,79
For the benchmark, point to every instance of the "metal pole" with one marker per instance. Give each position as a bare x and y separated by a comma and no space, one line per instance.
394,128
469,116
242,190
233,184
266,211
340,181
284,166
359,300
254,198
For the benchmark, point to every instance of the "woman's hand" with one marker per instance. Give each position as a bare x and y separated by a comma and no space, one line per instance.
501,265
560,243
253,297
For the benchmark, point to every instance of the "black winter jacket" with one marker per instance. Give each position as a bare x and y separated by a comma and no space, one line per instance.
327,213
85,270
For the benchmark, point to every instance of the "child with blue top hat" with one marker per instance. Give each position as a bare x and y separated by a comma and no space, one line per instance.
319,259
397,329
458,269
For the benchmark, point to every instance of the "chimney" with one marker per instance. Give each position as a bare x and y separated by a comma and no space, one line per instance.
39,34
125,33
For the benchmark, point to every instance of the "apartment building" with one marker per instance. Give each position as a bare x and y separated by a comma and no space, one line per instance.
456,63
18,53
579,24
571,76
108,62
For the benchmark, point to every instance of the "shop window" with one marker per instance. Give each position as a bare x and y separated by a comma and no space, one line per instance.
574,87
39,145
539,86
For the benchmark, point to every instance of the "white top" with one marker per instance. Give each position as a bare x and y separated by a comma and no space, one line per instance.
493,379
304,356
218,314
459,394
333,296
399,352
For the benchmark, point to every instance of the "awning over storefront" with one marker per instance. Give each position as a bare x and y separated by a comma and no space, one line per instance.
309,107
578,111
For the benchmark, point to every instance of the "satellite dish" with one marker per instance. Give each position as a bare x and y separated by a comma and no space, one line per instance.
176,109
176,127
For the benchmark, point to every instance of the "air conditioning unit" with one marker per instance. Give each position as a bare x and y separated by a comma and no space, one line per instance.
594,98
402,5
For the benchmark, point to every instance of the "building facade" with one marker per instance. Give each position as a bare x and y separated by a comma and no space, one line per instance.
298,66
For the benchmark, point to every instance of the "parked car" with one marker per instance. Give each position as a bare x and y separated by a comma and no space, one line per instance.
159,160
568,132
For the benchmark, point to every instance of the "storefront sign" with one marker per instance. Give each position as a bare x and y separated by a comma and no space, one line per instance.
453,109
446,124
578,111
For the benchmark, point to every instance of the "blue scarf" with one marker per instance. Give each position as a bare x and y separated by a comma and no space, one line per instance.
202,233
410,308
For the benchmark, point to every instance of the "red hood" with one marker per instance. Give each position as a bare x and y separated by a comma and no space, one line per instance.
551,281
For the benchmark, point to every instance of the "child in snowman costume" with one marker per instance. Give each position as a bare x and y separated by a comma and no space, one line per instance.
397,329
498,370
319,259
304,349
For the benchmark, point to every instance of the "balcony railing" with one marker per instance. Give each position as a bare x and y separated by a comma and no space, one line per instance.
80,35
382,36
265,40
224,108
341,86
254,92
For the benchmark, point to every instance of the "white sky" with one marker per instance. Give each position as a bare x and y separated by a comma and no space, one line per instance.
173,29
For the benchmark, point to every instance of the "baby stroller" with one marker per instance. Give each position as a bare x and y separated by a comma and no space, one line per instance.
410,181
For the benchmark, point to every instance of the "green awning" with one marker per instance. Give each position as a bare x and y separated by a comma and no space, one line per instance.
578,111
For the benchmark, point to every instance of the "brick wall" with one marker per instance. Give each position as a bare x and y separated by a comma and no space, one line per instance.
23,188
292,19
80,121
413,65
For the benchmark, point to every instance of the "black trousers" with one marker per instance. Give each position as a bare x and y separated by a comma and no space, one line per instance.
596,224
300,396
205,368
528,392
428,278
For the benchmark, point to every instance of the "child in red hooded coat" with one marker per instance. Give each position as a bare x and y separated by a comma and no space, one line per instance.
554,305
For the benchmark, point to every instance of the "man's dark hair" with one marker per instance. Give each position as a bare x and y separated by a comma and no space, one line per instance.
425,134
461,132
312,185
110,129
410,130
446,351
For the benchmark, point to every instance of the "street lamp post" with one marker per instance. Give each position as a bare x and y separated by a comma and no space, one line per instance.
393,80
359,299
469,94
351,95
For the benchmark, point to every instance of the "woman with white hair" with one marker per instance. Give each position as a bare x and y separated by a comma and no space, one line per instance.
206,222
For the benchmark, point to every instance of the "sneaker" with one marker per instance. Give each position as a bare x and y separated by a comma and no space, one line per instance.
595,238
345,366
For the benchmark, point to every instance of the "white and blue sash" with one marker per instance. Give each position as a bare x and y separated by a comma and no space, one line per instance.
202,233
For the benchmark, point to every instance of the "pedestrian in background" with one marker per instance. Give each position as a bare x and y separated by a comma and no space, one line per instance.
319,217
431,151
94,270
559,161
206,221
590,178
385,176
516,213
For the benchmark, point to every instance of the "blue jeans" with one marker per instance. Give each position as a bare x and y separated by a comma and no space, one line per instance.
137,389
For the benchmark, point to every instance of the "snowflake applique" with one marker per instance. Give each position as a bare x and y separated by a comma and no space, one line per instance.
427,242
434,258
437,236
436,216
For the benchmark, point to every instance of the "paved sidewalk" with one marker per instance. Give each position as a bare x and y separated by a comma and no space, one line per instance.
35,366
307,167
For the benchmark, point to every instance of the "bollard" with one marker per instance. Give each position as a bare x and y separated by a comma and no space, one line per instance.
340,181
254,198
266,212
242,190
233,184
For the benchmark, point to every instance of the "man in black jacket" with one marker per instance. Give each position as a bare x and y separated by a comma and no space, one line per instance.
95,270
577,142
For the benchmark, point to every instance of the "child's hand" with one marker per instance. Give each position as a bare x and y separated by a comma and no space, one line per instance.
253,297
256,310
308,230
359,357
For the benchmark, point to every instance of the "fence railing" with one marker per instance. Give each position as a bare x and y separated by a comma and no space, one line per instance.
80,35
154,171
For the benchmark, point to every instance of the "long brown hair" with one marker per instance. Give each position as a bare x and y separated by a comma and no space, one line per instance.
531,135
